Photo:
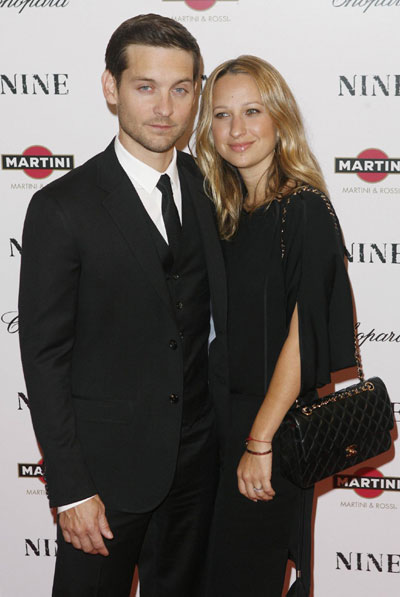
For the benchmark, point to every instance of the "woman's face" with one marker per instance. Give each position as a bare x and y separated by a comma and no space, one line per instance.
244,134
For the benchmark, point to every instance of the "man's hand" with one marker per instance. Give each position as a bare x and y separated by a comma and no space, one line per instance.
85,526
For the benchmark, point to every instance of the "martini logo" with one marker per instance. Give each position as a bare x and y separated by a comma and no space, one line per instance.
31,471
200,4
37,162
367,483
371,165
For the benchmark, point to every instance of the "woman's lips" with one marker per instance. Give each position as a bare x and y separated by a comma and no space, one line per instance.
240,147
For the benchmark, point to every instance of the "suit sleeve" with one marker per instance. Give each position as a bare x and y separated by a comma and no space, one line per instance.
50,270
317,280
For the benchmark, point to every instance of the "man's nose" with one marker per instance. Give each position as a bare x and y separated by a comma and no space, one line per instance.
163,105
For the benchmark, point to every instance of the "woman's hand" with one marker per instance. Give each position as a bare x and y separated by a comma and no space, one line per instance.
254,477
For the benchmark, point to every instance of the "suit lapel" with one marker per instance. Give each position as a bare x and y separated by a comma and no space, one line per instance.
191,182
128,213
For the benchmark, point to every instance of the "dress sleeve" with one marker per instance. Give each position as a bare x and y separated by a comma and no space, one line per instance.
316,280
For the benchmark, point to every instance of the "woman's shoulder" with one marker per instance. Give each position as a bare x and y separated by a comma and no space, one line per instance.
311,201
306,193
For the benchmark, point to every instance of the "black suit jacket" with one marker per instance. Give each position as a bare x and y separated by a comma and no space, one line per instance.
96,322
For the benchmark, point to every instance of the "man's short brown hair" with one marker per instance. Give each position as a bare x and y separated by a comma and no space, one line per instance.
149,30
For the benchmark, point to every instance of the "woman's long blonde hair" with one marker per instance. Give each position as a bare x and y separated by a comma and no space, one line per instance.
293,163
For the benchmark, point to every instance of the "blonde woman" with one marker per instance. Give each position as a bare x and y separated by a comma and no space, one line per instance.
290,319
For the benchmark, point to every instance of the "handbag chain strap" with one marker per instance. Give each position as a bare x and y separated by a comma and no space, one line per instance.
360,371
340,395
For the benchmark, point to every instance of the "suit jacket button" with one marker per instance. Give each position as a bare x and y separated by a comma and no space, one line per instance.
173,398
173,344
176,276
179,305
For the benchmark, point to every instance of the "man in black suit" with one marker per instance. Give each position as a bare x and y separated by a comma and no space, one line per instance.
121,266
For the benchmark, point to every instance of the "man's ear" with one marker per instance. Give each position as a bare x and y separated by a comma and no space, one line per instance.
109,85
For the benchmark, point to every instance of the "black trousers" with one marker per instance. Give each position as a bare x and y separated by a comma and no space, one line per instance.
169,544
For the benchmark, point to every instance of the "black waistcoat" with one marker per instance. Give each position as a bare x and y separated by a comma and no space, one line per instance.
188,287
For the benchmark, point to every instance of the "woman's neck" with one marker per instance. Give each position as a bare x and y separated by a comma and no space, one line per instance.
255,190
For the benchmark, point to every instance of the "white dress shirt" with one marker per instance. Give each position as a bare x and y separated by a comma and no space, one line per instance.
145,178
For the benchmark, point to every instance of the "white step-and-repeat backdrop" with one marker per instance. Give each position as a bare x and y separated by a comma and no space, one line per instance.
341,58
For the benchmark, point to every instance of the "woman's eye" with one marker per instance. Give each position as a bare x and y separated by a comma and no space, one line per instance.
220,115
252,111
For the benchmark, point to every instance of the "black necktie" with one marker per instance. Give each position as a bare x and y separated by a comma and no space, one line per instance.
170,214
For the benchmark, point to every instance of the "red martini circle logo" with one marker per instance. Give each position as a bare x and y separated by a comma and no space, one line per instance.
376,156
36,151
200,4
37,162
368,473
371,165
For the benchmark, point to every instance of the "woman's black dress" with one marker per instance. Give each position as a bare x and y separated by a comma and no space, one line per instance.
289,253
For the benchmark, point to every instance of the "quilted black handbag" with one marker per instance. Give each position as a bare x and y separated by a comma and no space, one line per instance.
337,431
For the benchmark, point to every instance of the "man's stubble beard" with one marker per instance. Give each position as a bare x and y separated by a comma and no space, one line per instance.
154,144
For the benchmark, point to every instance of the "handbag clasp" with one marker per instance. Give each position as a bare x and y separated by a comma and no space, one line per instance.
351,450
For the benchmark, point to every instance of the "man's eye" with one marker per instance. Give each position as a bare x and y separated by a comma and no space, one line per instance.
180,90
145,88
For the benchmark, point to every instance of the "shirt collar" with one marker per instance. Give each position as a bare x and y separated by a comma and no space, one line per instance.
146,176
